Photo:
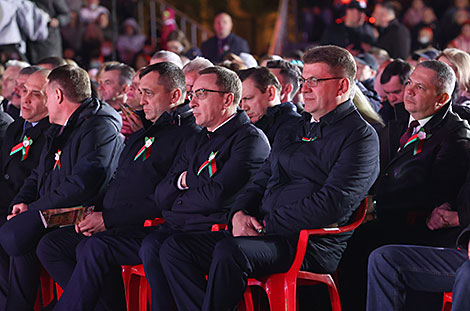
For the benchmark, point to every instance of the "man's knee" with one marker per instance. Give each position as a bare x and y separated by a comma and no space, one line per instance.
92,247
47,248
150,249
381,257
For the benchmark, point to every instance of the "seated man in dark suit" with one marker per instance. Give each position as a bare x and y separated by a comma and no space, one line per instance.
395,270
424,161
129,200
118,229
316,176
262,102
77,162
24,140
224,41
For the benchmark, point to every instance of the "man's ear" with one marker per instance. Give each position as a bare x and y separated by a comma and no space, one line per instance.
125,88
175,96
271,91
343,86
229,97
443,99
59,95
288,88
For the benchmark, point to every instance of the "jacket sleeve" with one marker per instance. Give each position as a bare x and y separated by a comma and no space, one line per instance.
348,181
246,157
95,161
167,191
33,21
62,12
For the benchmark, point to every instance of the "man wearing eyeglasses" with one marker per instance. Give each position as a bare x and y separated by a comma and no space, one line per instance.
315,177
203,182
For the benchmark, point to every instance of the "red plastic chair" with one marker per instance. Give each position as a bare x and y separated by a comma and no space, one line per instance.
447,302
136,287
281,288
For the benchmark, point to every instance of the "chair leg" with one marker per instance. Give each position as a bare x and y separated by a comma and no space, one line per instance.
248,300
282,293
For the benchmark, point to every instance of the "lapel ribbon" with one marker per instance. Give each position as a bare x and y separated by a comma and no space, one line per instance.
23,147
145,149
209,163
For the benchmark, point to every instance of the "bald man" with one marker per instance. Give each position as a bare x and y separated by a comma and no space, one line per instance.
224,40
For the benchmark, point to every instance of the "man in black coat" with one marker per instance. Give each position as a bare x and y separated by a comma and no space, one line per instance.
262,102
394,270
10,80
224,40
424,161
118,229
24,141
315,177
77,162
394,37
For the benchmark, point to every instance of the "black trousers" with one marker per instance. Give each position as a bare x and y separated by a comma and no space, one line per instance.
227,261
18,240
89,269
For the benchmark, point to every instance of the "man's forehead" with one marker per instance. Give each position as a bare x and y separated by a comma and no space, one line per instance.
393,84
149,80
316,70
206,81
423,75
110,75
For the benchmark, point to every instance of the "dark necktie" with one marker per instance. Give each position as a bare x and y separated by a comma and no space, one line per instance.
27,125
408,133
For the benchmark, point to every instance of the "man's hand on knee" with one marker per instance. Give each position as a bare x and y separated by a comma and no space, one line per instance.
245,225
17,209
92,224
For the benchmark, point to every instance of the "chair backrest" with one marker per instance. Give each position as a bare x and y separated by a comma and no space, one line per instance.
355,220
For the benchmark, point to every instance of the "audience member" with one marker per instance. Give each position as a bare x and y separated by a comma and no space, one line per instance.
353,32
452,21
116,232
289,76
51,63
395,270
70,32
132,113
393,80
414,15
459,61
52,45
214,167
21,20
462,41
261,101
366,72
224,40
291,192
191,72
25,138
394,37
75,166
168,26
166,56
379,54
9,81
130,41
113,84
179,44
424,161
425,33
89,13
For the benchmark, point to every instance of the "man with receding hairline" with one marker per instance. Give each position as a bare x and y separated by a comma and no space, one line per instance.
315,176
99,245
203,182
77,162
224,41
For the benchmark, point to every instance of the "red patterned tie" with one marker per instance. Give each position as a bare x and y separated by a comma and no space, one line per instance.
408,133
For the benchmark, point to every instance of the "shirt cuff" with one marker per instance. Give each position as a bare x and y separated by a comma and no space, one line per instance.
178,183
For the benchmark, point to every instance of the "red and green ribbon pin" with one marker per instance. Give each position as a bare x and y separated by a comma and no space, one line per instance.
419,137
209,163
145,149
23,147
57,159
307,139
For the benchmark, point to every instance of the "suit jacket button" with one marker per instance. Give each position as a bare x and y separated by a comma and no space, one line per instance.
179,202
6,176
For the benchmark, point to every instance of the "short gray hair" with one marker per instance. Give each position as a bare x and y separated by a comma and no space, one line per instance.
197,64
16,63
445,76
168,57
227,80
